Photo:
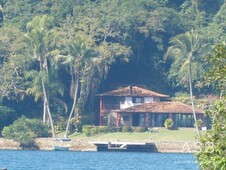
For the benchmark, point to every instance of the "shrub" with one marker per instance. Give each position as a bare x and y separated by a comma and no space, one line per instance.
168,123
61,124
126,129
24,130
37,127
75,123
114,129
86,130
93,130
139,129
199,123
212,150
103,129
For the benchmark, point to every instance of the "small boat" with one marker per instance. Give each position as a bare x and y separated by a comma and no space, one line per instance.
61,148
61,144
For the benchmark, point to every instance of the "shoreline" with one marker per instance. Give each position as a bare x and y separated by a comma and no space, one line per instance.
85,145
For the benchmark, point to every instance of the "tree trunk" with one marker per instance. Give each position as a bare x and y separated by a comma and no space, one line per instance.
74,102
192,100
46,110
46,106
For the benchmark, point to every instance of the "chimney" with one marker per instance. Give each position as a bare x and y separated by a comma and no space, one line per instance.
131,89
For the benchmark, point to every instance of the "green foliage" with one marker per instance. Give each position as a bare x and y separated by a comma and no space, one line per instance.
94,130
24,130
114,129
217,71
60,126
6,116
86,130
168,123
93,42
139,129
12,63
126,129
213,157
182,97
37,127
199,123
76,123
103,129
186,51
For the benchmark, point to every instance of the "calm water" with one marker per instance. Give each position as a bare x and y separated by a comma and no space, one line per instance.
50,160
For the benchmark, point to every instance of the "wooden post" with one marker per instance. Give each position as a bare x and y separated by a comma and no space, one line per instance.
117,119
101,110
147,121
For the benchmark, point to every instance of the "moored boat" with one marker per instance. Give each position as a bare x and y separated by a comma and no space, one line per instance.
61,148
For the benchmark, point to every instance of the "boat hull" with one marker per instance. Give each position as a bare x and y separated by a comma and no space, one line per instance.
60,148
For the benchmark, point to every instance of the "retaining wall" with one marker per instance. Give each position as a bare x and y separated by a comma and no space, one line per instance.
84,145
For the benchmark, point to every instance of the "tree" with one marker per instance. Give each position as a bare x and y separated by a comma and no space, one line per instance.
12,63
77,59
212,153
212,156
6,116
185,50
1,16
216,75
215,31
24,130
90,40
41,38
129,37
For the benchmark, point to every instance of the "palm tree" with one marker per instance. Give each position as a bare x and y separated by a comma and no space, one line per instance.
41,39
185,50
79,62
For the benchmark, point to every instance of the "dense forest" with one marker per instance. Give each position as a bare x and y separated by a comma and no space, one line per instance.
55,55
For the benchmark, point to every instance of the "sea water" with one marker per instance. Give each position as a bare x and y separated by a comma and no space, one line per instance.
56,160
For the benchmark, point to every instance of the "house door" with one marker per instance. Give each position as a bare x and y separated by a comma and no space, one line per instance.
136,120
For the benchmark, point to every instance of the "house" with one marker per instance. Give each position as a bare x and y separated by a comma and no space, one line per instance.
135,106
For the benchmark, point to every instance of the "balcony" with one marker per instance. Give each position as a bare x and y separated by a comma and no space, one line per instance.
108,107
128,104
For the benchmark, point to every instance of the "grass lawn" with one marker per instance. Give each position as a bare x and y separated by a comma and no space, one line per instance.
157,135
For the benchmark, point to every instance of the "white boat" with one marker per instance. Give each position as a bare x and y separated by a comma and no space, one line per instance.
60,144
61,148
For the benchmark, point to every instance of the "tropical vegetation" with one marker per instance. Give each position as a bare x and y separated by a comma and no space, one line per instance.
168,123
25,130
213,143
56,55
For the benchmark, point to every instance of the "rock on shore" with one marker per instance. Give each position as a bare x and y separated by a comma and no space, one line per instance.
48,143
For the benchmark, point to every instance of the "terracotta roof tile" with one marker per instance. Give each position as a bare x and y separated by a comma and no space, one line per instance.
160,107
132,91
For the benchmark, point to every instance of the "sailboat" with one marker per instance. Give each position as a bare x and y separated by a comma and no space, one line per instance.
59,145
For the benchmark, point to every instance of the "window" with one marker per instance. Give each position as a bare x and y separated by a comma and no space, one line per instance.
126,118
122,100
138,100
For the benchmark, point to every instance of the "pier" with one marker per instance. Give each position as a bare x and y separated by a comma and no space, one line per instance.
124,146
